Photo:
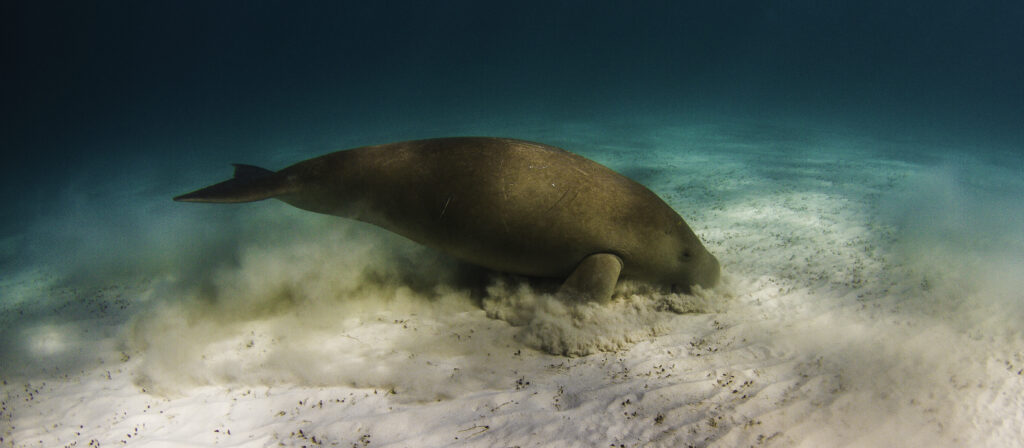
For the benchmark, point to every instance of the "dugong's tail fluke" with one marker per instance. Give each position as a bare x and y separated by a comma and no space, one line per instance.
251,183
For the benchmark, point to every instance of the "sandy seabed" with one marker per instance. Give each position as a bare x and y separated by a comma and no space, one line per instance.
871,296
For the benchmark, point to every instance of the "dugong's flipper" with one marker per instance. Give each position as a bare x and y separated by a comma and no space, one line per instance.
594,278
251,183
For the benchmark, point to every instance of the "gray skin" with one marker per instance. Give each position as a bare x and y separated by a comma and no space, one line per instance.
507,205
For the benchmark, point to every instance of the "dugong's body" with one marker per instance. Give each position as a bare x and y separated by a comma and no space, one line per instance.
508,205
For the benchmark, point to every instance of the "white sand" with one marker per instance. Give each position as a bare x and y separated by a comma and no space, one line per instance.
872,297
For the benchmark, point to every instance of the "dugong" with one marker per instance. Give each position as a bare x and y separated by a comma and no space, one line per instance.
507,205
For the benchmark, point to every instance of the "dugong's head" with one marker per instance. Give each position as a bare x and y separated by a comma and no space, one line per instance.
689,265
698,267
678,260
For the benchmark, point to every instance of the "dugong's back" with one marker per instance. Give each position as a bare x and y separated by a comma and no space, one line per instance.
508,205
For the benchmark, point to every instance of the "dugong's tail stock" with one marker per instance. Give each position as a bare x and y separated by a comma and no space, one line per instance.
250,183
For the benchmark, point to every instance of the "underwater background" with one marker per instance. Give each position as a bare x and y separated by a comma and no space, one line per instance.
857,167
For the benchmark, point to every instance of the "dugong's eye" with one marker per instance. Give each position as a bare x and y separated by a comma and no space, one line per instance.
686,255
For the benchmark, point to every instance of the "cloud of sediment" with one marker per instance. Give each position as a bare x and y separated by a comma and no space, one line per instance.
320,301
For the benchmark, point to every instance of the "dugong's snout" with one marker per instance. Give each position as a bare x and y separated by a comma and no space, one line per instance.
708,272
